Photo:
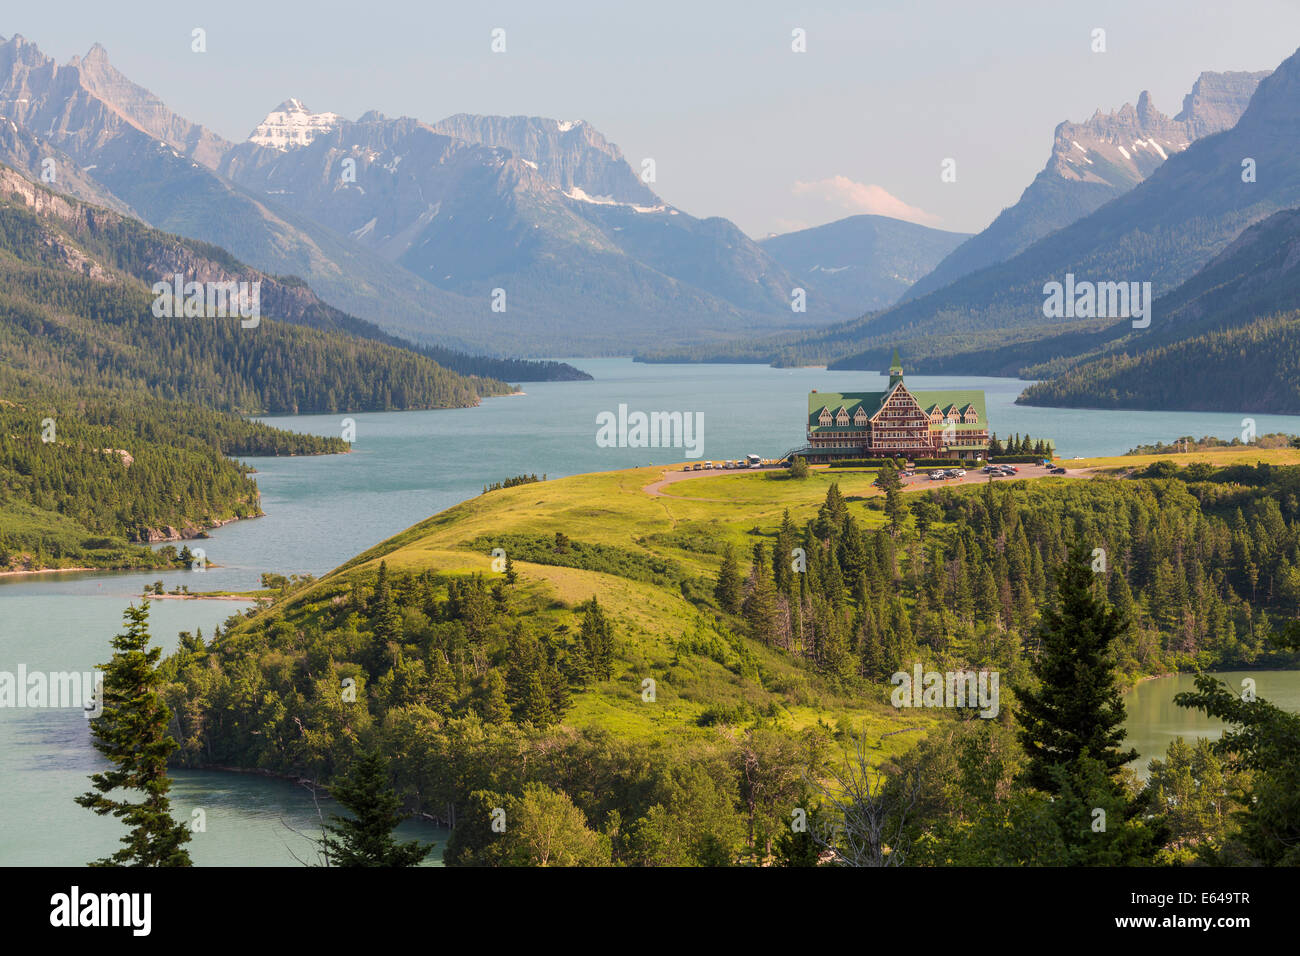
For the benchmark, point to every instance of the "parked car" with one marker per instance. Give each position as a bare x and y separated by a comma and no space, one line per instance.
938,475
909,473
959,473
1058,470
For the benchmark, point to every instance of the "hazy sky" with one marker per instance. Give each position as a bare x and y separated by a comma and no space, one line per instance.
738,124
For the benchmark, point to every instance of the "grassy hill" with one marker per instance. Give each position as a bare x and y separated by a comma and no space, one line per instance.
675,545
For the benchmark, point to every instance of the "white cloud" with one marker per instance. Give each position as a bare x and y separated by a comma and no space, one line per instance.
864,198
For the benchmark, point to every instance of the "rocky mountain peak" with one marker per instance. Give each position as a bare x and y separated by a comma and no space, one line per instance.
570,155
1095,161
96,56
291,125
1217,101
1122,148
1147,114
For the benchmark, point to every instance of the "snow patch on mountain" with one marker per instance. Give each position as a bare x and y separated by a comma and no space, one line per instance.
291,125
578,194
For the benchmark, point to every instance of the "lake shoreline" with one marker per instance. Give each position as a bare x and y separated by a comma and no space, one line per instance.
10,574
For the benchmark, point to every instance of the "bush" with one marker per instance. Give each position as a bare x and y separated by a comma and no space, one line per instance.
726,714
1159,469
861,462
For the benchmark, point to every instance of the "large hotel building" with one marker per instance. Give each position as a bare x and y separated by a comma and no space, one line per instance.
896,423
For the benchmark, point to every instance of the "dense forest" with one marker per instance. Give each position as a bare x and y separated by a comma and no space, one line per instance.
1188,443
72,331
83,475
76,303
1253,367
1203,563
468,679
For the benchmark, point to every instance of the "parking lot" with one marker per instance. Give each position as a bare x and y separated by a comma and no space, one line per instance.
922,480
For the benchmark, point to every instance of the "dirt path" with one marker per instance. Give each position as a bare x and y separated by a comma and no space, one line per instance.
655,489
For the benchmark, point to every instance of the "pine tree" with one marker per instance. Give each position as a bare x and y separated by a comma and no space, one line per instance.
831,515
131,731
598,636
783,555
729,588
760,606
536,704
1076,710
384,611
492,704
366,838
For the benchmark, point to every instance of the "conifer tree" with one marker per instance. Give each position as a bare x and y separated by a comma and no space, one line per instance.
760,606
492,704
783,554
384,610
729,588
831,515
598,636
1076,710
131,731
889,482
366,837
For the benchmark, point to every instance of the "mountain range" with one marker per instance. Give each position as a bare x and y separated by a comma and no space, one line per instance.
1163,230
498,234
1093,162
532,235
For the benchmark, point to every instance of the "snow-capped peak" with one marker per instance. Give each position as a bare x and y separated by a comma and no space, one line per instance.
292,124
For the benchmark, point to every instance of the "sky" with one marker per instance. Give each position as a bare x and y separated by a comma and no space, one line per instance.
738,123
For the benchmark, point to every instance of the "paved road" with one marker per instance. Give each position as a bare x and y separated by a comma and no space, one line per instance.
919,482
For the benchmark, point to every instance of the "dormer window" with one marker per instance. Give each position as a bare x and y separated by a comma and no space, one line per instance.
859,417
842,417
970,417
825,417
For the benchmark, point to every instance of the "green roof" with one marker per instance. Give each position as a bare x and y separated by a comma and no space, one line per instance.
871,402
